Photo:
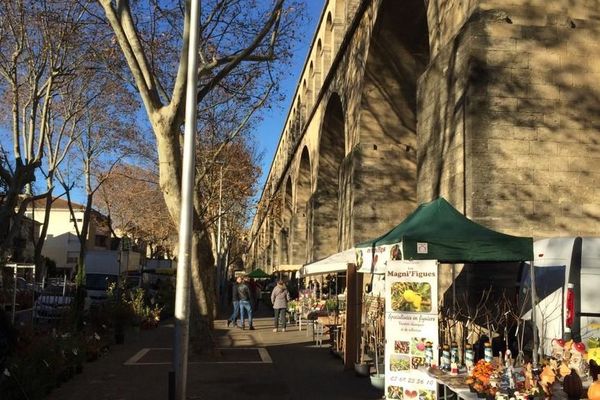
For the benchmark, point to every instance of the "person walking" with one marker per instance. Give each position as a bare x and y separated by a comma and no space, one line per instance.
280,297
235,300
245,301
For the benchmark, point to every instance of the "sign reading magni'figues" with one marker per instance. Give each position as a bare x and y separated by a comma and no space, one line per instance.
411,328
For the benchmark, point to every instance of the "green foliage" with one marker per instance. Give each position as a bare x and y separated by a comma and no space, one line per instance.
133,306
165,298
43,360
292,305
331,305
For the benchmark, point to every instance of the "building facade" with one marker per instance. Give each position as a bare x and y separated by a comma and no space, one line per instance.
493,105
62,244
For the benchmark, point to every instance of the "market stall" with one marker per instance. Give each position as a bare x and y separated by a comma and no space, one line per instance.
335,305
436,232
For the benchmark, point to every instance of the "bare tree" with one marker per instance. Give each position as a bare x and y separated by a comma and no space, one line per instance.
106,135
70,104
40,49
239,40
146,218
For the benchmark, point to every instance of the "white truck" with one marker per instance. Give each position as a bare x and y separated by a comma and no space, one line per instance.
103,267
567,278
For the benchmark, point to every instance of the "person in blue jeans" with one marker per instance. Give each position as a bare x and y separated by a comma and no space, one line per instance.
245,299
235,300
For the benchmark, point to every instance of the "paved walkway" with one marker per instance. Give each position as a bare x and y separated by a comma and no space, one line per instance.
257,364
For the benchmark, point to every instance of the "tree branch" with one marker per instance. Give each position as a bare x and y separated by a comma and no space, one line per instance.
139,72
247,53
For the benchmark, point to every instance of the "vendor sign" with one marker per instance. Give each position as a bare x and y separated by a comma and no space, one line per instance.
372,259
411,328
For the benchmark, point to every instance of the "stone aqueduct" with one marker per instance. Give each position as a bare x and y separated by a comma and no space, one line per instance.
493,104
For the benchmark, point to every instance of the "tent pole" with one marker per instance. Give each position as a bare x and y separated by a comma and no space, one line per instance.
453,288
533,312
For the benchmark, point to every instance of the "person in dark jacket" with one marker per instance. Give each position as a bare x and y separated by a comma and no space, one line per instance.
235,300
245,299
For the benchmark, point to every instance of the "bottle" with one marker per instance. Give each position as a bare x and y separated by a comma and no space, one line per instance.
445,364
487,352
454,353
429,354
469,357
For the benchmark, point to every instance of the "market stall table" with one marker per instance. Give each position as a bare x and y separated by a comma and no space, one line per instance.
451,385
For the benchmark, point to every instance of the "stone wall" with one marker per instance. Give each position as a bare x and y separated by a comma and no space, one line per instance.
523,93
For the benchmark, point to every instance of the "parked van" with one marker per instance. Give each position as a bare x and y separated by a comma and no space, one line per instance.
567,278
104,267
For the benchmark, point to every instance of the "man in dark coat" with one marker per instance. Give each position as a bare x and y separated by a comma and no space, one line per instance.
235,300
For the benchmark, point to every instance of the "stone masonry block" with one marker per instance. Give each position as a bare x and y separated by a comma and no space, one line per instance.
543,148
533,163
508,146
502,103
541,91
561,164
479,146
504,58
572,149
592,210
584,164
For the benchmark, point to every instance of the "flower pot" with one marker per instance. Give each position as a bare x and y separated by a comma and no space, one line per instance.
378,381
362,369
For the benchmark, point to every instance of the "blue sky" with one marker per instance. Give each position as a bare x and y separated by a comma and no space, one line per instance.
268,131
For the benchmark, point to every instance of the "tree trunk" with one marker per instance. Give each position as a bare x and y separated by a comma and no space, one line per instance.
39,244
202,300
8,217
202,297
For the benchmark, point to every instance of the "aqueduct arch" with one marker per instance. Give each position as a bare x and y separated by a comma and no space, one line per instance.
325,202
300,218
484,103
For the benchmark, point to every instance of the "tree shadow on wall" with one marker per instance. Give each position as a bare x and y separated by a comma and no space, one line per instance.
527,99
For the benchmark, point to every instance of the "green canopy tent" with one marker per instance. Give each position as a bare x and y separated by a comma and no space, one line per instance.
437,231
258,274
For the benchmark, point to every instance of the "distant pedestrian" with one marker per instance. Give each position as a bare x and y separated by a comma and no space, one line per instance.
255,291
235,301
245,300
280,297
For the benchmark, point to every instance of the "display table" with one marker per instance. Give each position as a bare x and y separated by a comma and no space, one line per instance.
452,386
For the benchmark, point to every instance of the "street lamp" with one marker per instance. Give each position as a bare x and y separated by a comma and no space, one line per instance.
178,378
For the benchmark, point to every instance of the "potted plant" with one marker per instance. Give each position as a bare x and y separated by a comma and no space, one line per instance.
331,306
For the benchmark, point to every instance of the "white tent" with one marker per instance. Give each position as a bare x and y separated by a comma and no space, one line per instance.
335,263
287,268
